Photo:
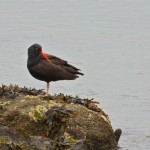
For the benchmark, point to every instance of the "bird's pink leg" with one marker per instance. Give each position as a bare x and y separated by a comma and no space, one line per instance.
47,88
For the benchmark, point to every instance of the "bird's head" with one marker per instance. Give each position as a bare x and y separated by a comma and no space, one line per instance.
36,50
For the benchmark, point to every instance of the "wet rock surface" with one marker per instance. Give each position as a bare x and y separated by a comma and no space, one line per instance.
29,120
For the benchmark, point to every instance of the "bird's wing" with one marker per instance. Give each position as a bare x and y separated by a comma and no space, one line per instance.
64,64
50,72
59,61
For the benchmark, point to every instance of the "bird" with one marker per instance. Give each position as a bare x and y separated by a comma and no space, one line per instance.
49,68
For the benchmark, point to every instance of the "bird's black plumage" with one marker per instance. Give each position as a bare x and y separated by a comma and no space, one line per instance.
49,68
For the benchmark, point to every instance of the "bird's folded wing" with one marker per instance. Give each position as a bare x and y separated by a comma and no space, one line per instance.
59,61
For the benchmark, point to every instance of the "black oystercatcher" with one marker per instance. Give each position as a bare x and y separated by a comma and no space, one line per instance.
49,68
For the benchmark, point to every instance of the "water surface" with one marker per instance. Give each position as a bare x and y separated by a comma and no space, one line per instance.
108,39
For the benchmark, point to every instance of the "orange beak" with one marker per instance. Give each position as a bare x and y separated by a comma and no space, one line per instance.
44,56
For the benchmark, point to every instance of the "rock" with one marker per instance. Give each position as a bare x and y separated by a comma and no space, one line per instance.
10,139
55,122
80,145
118,133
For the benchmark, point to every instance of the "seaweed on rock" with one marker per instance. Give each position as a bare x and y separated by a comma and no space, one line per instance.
56,118
13,91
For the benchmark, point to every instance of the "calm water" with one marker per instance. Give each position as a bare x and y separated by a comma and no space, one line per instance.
108,39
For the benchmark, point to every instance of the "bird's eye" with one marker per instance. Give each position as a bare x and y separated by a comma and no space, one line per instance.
37,49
